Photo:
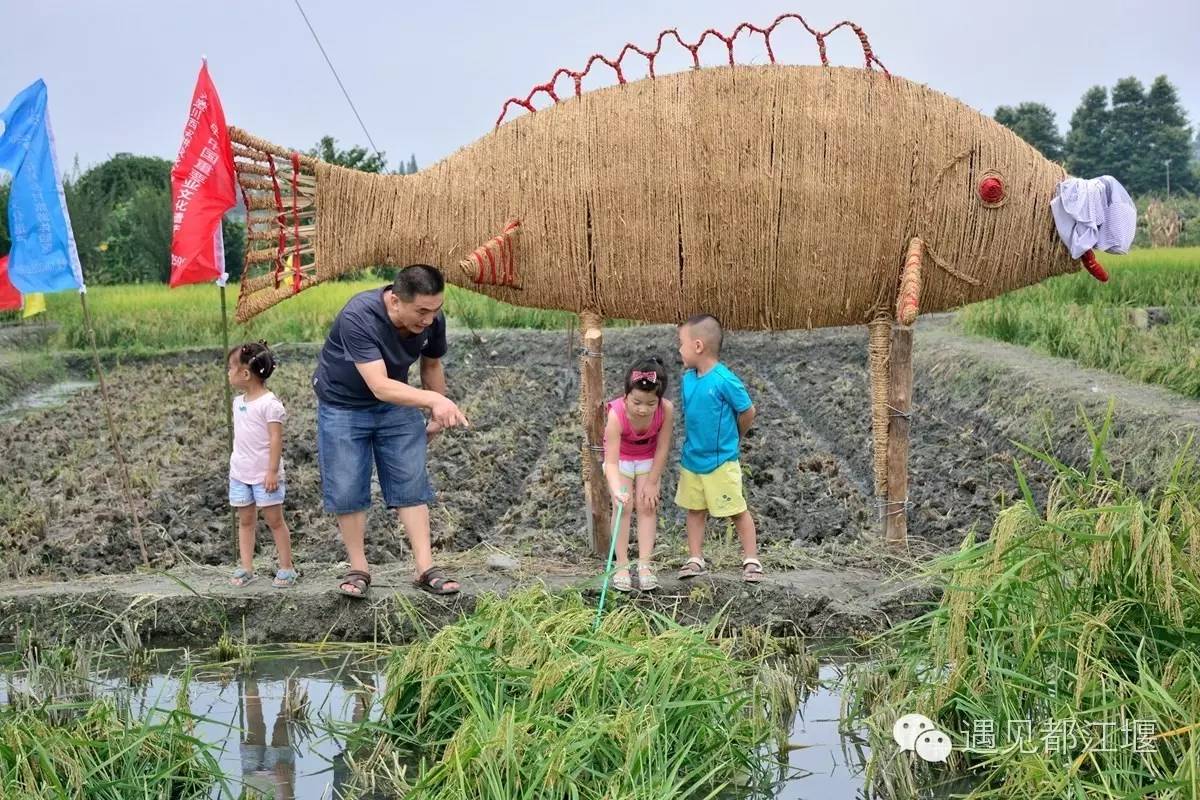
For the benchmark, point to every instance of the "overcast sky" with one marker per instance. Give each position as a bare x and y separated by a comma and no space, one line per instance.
430,77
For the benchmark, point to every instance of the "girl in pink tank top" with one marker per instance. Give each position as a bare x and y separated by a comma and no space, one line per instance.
637,439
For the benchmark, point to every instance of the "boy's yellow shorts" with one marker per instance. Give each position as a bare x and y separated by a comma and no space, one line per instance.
718,492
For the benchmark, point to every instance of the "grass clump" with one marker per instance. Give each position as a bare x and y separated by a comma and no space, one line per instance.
61,739
20,371
523,699
1062,659
97,751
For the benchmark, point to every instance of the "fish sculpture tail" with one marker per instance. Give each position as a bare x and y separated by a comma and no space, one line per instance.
279,187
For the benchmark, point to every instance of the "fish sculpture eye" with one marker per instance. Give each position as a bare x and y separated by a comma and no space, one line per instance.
991,190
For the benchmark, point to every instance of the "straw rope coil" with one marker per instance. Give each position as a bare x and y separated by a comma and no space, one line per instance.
908,305
495,262
879,348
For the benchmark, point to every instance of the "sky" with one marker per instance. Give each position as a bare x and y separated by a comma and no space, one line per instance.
431,77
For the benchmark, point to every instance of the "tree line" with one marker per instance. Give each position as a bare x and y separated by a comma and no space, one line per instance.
1139,136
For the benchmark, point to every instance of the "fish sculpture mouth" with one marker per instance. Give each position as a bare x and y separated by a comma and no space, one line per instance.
1093,266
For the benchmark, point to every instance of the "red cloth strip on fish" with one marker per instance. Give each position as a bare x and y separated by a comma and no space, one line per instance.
870,59
495,262
279,219
295,222
1093,266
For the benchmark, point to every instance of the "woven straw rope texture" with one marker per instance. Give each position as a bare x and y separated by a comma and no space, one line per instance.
774,197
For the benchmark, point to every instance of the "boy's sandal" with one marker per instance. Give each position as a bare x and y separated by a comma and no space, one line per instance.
752,570
647,580
693,567
361,581
434,580
621,581
285,578
241,577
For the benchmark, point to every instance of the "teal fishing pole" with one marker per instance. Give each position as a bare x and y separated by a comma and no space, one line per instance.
612,551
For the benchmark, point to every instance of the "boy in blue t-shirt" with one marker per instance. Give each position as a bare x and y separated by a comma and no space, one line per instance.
717,412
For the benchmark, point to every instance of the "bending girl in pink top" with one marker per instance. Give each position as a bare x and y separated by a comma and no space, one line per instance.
637,439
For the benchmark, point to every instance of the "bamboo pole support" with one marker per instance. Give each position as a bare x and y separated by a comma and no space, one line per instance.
112,431
233,513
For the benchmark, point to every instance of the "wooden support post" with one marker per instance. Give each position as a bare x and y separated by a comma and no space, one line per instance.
900,414
592,415
877,361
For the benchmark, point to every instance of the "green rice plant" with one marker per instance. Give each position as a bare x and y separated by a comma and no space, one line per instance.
523,699
47,673
134,654
61,740
101,753
231,650
1062,659
1077,317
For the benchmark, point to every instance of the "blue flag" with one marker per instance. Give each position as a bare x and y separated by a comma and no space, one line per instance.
43,256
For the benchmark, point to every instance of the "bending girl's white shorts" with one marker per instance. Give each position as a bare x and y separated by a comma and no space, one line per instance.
632,469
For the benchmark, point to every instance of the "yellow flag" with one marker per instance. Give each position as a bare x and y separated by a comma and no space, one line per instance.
34,304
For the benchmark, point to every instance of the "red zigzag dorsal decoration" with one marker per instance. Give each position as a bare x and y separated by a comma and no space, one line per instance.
694,48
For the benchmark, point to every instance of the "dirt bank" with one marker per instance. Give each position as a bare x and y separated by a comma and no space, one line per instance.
197,605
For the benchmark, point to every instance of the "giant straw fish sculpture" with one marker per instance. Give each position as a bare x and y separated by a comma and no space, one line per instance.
771,196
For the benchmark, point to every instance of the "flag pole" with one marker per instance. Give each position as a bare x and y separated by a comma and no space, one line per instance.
233,512
112,429
224,365
219,255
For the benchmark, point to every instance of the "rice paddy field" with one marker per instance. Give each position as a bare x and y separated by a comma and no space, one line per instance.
1076,317
148,318
1054,532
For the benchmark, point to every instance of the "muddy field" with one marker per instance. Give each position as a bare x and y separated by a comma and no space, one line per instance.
512,480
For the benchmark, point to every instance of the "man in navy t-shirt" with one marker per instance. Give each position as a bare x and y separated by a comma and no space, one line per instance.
367,413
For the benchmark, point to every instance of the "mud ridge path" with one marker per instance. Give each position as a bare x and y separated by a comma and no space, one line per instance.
197,605
511,483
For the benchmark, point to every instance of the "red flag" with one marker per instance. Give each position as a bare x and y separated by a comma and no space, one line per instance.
10,296
202,189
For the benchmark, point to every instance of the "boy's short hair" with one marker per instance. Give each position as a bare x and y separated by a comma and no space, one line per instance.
418,279
708,328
